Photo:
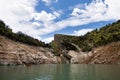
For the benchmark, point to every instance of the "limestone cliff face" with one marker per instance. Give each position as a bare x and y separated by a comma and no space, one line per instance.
18,53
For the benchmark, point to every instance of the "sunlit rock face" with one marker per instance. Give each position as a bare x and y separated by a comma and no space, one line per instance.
79,57
18,53
108,54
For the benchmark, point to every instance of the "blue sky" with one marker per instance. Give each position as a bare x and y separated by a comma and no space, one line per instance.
42,19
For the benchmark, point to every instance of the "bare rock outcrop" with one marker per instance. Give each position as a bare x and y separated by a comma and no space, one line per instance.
18,53
108,54
79,57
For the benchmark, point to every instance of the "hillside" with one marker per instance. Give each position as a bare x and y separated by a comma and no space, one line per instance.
108,54
98,37
16,53
101,46
19,36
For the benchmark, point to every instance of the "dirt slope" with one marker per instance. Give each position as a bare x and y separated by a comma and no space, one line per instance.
108,54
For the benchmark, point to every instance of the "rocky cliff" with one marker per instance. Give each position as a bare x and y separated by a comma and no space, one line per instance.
108,54
12,52
71,53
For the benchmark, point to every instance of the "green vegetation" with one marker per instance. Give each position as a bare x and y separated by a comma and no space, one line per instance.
98,37
19,36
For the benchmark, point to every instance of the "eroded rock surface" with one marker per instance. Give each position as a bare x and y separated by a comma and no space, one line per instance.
18,53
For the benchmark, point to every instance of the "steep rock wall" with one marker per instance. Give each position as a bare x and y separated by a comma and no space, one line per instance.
18,53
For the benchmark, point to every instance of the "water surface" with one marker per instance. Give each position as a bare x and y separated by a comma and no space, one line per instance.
60,72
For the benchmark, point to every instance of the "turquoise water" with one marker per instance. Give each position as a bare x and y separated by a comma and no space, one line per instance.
60,72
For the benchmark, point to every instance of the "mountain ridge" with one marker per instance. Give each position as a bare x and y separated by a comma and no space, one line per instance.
98,37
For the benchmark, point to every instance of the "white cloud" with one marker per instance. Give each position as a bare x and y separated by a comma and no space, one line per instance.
81,6
113,9
99,11
19,13
76,12
91,10
37,24
49,2
57,14
94,12
82,32
48,40
44,16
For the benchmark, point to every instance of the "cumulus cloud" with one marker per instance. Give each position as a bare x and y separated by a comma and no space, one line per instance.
37,24
81,32
98,10
44,16
18,14
49,2
81,6
48,40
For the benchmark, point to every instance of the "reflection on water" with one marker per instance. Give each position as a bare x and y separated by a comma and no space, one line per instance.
60,72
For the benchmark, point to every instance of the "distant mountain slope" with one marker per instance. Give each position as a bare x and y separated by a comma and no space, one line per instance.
101,46
98,37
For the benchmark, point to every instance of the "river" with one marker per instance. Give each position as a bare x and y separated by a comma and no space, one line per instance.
61,72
